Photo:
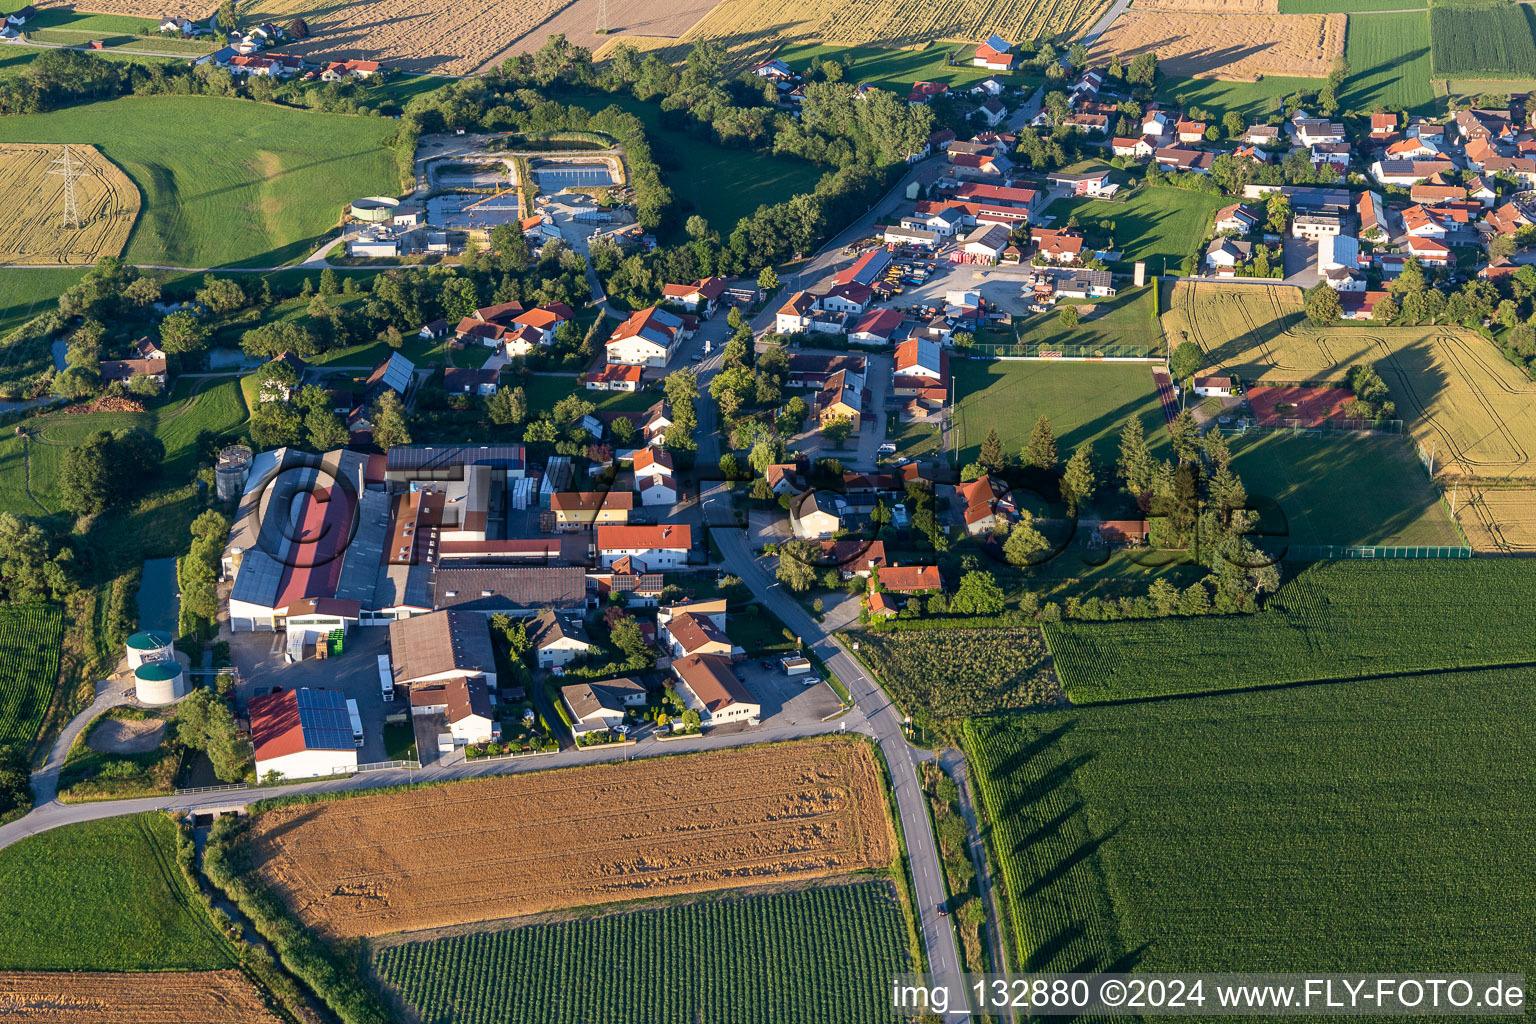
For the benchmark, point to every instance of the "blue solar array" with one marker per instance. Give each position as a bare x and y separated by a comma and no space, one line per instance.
324,719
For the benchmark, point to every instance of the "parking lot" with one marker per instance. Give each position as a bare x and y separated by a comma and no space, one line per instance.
259,659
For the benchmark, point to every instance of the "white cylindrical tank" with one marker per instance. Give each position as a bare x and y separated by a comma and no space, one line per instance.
149,645
159,682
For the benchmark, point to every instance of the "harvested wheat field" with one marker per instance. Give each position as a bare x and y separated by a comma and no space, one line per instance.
33,231
1239,47
578,23
1497,520
1216,6
173,997
197,10
452,37
1457,394
576,837
753,30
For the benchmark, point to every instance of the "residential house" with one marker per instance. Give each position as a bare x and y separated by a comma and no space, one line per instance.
1418,223
1179,158
1429,252
1136,148
658,490
1383,126
794,316
124,370
1240,217
784,478
699,297
1359,305
337,71
841,396
922,92
989,86
853,557
1057,245
615,377
440,646
459,380
709,687
1316,225
910,579
582,510
993,54
987,507
816,514
558,638
663,546
921,370
1507,219
979,167
393,374
21,16
1192,132
1371,214
687,634
1479,190
466,706
1095,184
1522,169
648,337
600,706
1308,132
1227,253
846,298
774,70
1407,172
1262,135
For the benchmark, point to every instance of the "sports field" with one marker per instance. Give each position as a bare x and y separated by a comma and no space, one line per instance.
1084,402
1341,620
1372,826
103,896
1458,395
1124,325
225,181
1157,224
721,185
816,956
1344,490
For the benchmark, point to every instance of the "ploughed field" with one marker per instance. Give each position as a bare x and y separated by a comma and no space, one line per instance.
580,836
193,997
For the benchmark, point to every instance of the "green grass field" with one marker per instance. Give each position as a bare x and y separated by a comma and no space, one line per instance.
1388,58
103,896
226,182
1084,402
1123,325
1344,490
818,955
218,409
28,293
1156,224
897,70
914,440
1255,100
1334,621
544,390
29,669
1380,826
722,185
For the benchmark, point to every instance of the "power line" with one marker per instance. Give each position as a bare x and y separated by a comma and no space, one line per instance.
602,17
65,165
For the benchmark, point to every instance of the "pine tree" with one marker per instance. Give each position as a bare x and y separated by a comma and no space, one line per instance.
1079,478
991,452
1137,470
1040,453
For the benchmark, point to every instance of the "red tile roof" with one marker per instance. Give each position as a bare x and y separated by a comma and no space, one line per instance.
663,536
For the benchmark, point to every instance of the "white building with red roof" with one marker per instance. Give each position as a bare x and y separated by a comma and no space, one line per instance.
663,546
649,337
876,327
699,297
302,734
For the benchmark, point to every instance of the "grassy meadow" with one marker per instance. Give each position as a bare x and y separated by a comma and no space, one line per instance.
103,895
1156,224
1374,826
1085,402
721,185
226,182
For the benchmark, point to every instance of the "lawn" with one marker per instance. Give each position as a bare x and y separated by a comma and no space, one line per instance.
1334,621
1388,58
543,390
758,632
898,69
1125,325
1377,826
103,896
1085,402
818,955
1343,490
217,410
241,184
27,293
914,440
1254,100
723,185
1157,224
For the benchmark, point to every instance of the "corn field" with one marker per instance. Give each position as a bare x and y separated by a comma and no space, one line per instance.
817,955
29,669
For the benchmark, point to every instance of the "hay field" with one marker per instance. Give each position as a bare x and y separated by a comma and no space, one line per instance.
451,37
193,997
33,231
1240,47
576,837
756,29
1455,391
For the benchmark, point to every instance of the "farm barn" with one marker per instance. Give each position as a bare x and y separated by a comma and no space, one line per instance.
302,734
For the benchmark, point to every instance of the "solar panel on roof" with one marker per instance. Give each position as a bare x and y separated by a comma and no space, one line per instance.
417,458
323,718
